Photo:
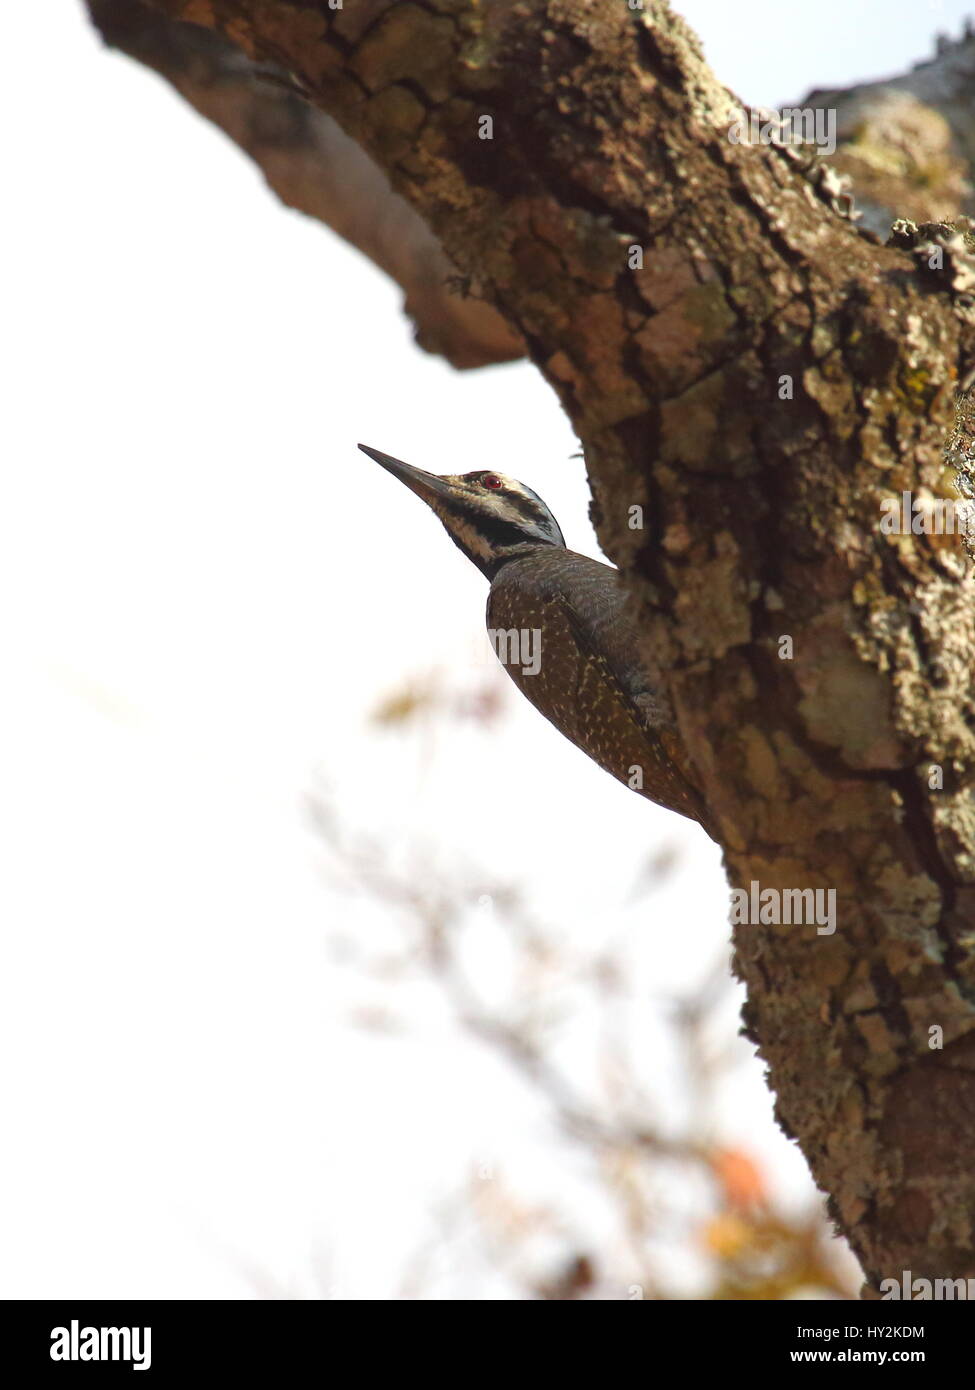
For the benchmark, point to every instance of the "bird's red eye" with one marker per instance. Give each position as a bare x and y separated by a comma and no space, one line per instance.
492,481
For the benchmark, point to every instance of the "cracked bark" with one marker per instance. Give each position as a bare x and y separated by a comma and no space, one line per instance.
610,133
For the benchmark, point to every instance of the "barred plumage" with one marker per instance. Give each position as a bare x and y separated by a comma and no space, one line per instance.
585,677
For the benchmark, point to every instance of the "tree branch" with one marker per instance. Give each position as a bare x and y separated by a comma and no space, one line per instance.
760,378
312,165
908,142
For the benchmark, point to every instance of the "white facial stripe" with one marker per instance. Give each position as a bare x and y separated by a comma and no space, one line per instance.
513,485
471,539
496,504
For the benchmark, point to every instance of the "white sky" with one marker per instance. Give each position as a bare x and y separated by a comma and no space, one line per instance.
206,590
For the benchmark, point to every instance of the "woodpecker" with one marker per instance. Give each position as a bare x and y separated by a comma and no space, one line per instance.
562,628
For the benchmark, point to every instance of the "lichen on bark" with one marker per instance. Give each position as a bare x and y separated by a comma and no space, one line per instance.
760,379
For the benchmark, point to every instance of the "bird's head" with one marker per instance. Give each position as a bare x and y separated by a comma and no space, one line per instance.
490,517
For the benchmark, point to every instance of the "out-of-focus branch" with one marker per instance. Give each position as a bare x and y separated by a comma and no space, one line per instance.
312,165
639,1172
908,142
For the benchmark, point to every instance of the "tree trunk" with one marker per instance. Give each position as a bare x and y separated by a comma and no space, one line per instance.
760,376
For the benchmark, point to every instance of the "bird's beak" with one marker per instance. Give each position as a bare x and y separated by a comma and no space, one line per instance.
425,485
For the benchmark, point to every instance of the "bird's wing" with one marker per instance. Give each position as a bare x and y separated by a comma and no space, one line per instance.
590,683
600,616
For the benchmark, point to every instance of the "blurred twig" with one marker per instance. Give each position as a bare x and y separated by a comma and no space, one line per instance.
752,1251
